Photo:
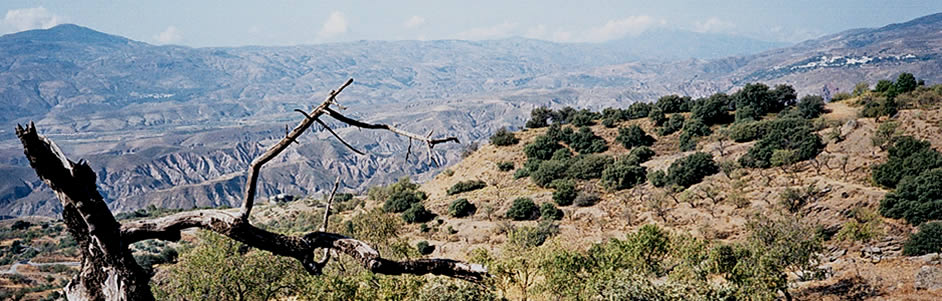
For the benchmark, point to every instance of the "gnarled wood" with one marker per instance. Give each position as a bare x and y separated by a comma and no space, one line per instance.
109,271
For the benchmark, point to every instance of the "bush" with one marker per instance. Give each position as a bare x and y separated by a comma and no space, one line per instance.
21,225
878,106
811,106
927,240
586,142
673,103
712,110
505,166
558,133
583,117
633,136
523,209
542,148
691,169
674,124
465,186
402,200
529,237
658,178
548,171
461,208
657,116
548,211
916,199
623,175
424,248
637,110
417,214
538,117
908,156
783,135
503,137
589,167
639,155
586,199
755,100
565,192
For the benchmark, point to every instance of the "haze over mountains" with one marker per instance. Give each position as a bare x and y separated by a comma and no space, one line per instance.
176,126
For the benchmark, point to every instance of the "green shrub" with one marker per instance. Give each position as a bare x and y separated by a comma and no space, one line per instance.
461,208
908,156
673,103
637,110
623,175
402,200
657,116
523,209
465,186
586,142
589,167
782,135
878,106
565,192
538,117
21,225
417,214
583,117
755,100
674,124
687,142
916,199
927,240
542,148
564,115
633,136
548,211
658,178
639,155
548,171
558,133
424,248
521,173
811,106
505,166
530,237
503,137
691,169
609,122
586,199
712,110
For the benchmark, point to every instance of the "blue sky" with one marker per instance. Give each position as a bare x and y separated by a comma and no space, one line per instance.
202,23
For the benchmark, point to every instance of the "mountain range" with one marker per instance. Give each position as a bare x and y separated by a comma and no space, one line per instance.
175,126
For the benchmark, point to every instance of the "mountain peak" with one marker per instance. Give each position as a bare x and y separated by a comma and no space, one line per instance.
65,33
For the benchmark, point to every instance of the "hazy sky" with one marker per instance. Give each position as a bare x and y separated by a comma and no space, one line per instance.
285,22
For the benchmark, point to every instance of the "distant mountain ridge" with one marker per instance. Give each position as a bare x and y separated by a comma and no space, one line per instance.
176,126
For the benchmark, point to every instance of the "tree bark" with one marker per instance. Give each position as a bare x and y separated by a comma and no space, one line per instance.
108,269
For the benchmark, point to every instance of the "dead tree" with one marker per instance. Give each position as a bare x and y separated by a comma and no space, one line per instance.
108,270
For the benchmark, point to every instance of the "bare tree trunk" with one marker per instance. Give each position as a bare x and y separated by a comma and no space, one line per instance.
109,271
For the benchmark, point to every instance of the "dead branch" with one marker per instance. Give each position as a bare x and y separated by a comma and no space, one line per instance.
109,271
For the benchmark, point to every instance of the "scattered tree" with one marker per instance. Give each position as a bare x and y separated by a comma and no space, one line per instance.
503,137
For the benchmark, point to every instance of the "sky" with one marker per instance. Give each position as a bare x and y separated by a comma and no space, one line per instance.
209,23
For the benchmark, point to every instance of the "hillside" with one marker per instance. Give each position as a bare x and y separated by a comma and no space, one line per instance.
149,118
841,189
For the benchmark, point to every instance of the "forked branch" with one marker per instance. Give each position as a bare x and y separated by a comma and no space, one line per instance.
108,270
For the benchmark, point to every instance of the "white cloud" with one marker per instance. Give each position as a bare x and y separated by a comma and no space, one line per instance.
713,24
614,29
498,31
169,35
30,18
336,24
413,22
